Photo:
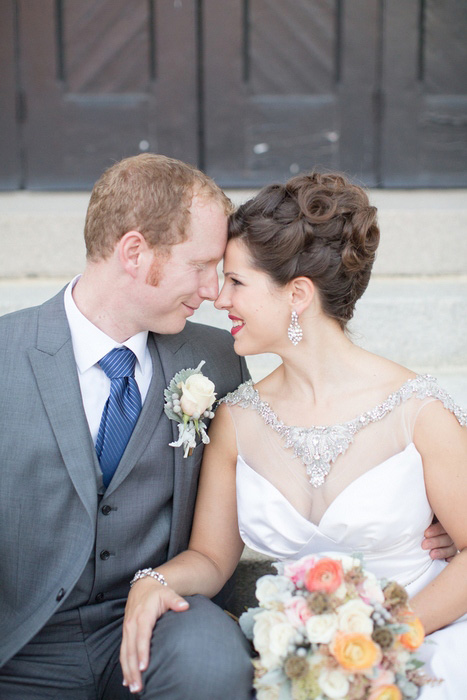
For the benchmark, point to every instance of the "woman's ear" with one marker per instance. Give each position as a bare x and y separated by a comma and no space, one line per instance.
302,293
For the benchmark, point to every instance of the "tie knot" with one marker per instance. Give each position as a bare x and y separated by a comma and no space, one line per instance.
119,362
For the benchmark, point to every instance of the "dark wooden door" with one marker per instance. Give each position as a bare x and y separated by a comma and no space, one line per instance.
249,90
372,87
290,86
424,117
10,160
103,80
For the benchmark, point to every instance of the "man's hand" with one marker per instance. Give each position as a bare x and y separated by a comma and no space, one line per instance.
439,542
147,602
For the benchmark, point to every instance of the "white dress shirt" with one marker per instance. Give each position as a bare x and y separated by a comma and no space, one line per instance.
90,345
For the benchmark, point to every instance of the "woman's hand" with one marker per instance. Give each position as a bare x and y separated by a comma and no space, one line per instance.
147,602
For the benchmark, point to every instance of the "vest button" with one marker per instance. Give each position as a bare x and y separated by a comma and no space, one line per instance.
104,554
99,598
60,594
106,509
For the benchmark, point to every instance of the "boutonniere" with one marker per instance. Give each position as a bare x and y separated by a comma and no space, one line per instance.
188,399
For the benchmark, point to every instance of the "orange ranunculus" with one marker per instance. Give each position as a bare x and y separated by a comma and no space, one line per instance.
386,692
415,636
355,652
326,576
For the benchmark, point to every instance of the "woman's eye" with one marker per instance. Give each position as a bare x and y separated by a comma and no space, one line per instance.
235,282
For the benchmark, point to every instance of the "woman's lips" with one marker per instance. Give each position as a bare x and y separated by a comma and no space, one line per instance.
238,324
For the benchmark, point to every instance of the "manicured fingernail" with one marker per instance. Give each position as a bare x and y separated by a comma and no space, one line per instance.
182,604
125,683
142,666
134,687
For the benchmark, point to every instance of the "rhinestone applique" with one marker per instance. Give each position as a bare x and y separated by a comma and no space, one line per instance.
319,446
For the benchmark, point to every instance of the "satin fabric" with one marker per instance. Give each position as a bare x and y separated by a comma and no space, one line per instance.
382,515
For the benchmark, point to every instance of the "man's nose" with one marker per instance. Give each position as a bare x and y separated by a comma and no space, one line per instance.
210,288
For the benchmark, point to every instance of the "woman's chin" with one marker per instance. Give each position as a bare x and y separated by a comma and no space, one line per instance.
244,349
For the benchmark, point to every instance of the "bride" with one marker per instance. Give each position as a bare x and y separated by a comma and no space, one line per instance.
336,450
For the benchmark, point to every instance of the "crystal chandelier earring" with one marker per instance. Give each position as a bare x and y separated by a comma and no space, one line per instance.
294,331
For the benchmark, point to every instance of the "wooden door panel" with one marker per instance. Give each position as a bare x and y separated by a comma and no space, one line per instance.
103,81
425,87
277,75
10,101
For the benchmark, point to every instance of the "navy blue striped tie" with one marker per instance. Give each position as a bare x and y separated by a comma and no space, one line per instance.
120,412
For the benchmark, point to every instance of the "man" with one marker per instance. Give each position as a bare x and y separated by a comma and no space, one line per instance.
73,533
90,490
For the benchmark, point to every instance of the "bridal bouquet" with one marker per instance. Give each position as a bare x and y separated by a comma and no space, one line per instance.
327,629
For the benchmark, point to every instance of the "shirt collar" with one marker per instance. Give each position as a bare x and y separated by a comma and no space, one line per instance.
90,344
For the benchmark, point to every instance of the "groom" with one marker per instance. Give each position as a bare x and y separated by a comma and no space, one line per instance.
90,490
89,495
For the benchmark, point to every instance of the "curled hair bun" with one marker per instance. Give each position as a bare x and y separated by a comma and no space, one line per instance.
317,225
325,199
361,235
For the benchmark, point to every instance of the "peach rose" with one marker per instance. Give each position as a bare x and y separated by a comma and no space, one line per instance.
386,692
325,576
355,652
413,638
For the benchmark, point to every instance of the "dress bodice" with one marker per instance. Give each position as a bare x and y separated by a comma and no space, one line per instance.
381,515
370,499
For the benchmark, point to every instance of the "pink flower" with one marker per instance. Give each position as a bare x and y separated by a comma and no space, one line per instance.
384,677
297,611
297,570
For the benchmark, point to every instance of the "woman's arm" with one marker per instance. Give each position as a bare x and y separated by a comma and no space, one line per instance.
213,552
442,443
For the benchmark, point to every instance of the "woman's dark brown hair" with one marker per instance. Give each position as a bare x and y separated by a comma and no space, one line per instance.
319,226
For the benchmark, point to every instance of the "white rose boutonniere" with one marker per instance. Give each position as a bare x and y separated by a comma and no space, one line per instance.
188,399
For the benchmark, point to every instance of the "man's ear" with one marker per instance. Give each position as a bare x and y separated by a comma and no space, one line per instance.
302,293
131,249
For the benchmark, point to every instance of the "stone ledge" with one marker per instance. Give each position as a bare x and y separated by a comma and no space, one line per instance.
423,231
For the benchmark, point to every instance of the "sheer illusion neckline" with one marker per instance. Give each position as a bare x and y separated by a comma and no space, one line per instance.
319,446
349,489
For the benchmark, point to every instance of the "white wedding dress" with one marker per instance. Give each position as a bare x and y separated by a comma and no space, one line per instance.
356,487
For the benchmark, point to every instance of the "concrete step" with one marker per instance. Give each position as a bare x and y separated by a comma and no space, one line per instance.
424,232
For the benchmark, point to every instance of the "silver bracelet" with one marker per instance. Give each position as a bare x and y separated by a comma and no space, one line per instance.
143,573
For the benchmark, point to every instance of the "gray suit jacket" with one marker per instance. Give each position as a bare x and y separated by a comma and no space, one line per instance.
49,513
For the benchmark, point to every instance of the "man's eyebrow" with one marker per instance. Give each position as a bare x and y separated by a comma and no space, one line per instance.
204,261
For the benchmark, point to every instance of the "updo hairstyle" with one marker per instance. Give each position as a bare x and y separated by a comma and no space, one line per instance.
318,226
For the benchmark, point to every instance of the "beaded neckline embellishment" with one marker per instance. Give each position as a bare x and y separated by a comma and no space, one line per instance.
319,446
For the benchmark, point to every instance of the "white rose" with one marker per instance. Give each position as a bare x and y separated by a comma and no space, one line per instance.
348,563
333,683
271,636
280,638
197,394
354,617
270,692
271,590
320,629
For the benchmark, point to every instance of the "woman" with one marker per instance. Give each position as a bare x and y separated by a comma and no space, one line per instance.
378,448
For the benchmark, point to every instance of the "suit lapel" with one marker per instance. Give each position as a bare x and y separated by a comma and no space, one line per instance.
54,367
176,354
